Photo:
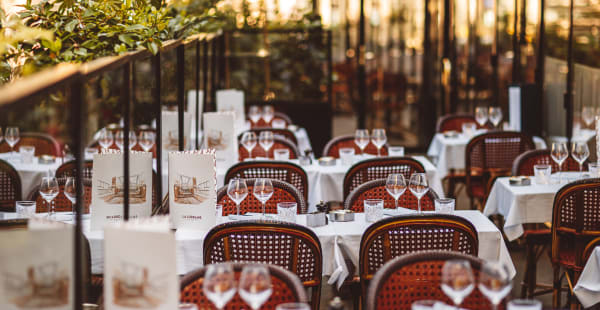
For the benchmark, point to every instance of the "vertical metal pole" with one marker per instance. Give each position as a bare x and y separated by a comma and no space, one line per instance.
205,75
180,94
77,132
158,115
213,74
362,81
568,97
516,50
126,102
197,116
540,63
329,68
427,110
494,59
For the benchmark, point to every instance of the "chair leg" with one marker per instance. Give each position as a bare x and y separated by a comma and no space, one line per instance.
557,287
529,281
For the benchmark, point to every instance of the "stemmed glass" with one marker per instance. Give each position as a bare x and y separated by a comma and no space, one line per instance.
379,139
12,137
249,142
481,116
70,191
263,190
237,190
146,140
494,282
457,280
49,190
495,116
254,114
120,139
255,285
105,139
266,140
1,135
559,154
361,138
268,113
587,113
395,186
418,186
580,153
219,284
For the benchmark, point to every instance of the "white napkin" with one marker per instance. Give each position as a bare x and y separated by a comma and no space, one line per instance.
341,272
587,289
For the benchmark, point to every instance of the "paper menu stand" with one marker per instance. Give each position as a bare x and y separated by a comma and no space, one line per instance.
220,135
191,109
37,268
140,268
170,131
107,187
193,189
233,100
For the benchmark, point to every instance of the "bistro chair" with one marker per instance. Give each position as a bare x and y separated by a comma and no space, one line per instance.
589,248
375,189
523,164
277,115
61,202
491,155
291,246
13,224
454,122
396,236
332,148
282,191
279,170
44,144
286,288
278,143
68,169
277,132
10,187
575,222
379,168
417,276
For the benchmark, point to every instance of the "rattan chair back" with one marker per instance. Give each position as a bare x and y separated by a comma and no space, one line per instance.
277,132
332,148
375,189
44,144
278,143
523,164
10,187
454,122
61,202
277,115
69,168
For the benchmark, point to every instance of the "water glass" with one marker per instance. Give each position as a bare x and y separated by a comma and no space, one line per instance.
281,154
27,153
347,156
287,211
188,306
469,129
25,209
426,304
373,209
542,174
445,205
293,306
90,152
278,123
524,304
594,169
397,151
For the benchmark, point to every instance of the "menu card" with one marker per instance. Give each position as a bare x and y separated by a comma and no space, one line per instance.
140,265
107,187
170,131
191,110
232,100
36,270
193,189
219,134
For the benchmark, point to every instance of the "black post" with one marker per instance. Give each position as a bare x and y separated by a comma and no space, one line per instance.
329,69
362,75
126,102
197,116
205,76
494,59
427,110
180,93
540,63
568,101
77,133
516,75
158,114
213,75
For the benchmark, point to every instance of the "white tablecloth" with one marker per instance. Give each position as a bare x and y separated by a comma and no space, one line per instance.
523,204
31,174
587,288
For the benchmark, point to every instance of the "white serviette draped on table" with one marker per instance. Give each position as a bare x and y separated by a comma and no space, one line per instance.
587,288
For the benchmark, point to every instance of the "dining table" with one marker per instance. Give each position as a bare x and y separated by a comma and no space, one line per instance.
31,174
587,288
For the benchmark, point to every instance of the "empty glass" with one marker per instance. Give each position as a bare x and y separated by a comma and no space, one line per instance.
237,190
293,306
188,306
378,138
524,304
495,116
445,205
266,141
347,155
146,140
255,285
594,169
559,154
219,284
120,139
418,186
49,190
278,123
457,280
105,139
263,190
12,137
469,129
281,154
481,115
25,209
494,282
587,114
254,114
249,142
361,138
27,153
286,211
397,151
70,191
268,113
395,186
542,174
373,209
580,153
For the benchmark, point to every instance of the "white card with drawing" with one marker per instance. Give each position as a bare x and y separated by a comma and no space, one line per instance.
108,183
193,189
219,134
170,131
140,267
233,100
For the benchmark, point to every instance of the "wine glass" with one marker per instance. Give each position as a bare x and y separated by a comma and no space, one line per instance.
12,137
481,116
70,191
146,140
559,154
361,138
494,282
255,285
219,284
587,113
49,190
395,186
120,139
268,113
254,114
249,141
580,153
266,140
418,186
237,190
379,139
457,280
495,115
263,190
105,139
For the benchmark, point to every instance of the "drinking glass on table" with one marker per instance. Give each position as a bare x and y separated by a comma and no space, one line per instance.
219,284
237,190
347,155
481,115
187,306
373,209
378,139
559,154
146,140
580,153
293,306
70,191
542,174
281,154
120,139
255,285
418,186
361,138
105,139
249,142
494,282
587,114
524,304
25,208
268,113
495,116
266,141
445,205
254,114
27,153
457,280
263,190
49,190
395,186
594,169
12,137
287,210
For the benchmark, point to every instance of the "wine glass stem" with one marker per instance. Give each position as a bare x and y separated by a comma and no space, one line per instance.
237,205
378,152
396,203
250,153
264,208
419,204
